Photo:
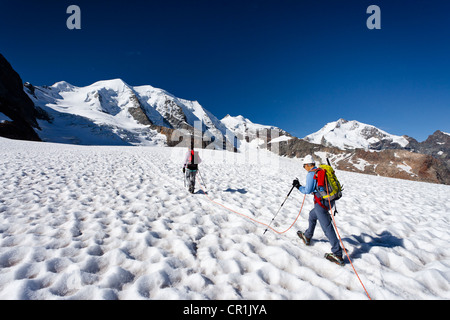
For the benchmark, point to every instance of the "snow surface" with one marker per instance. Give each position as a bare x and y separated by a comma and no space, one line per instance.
406,168
90,222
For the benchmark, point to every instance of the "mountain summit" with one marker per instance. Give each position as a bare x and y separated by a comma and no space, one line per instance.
345,134
113,112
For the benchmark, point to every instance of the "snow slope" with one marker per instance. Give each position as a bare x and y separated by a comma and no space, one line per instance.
84,222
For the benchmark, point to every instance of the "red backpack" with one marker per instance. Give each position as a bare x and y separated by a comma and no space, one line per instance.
331,183
193,161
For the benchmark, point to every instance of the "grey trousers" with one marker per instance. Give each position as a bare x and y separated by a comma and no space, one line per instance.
190,178
325,220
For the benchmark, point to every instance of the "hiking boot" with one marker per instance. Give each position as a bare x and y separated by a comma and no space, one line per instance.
302,236
334,258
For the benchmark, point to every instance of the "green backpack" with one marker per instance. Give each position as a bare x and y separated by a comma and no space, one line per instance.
334,186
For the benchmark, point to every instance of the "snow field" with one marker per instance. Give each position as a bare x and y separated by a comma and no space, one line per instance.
88,222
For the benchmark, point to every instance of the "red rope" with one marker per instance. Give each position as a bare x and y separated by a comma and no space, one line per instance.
281,232
339,236
250,218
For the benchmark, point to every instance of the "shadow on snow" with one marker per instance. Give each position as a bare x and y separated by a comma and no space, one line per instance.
362,246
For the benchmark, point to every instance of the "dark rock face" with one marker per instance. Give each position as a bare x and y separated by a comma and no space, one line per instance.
437,145
138,113
15,104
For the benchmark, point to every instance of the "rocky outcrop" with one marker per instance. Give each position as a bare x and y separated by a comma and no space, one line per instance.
395,163
400,164
299,148
438,146
138,113
15,104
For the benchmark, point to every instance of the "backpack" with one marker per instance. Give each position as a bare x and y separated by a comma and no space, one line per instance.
193,161
334,186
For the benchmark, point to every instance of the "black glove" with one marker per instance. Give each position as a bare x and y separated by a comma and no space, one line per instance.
184,169
296,183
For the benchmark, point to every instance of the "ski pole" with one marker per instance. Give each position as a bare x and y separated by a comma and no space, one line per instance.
279,209
201,177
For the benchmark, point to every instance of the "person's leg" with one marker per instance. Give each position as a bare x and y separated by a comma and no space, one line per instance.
312,224
194,173
186,178
325,221
192,181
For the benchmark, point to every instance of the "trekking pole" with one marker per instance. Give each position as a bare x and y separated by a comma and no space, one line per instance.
184,179
201,177
279,209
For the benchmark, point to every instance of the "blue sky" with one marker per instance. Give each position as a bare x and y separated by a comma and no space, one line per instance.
294,64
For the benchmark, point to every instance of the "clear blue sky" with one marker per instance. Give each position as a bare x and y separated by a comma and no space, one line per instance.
295,64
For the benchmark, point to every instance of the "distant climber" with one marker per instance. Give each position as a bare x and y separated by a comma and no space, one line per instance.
190,167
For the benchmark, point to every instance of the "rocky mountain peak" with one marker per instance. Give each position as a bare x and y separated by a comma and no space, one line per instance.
16,105
346,135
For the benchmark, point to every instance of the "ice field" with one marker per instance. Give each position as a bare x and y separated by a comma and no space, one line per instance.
89,222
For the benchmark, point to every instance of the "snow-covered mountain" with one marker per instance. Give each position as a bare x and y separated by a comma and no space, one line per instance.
113,112
352,144
252,135
353,134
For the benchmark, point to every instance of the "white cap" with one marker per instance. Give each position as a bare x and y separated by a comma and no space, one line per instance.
308,160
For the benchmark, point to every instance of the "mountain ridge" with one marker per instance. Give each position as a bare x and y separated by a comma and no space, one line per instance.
144,115
111,112
136,114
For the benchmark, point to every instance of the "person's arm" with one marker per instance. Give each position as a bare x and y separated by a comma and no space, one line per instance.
310,184
186,159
